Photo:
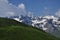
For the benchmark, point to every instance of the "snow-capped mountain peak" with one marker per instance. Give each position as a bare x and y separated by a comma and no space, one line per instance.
46,23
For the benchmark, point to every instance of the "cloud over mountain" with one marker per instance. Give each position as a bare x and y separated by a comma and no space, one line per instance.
22,6
8,9
58,13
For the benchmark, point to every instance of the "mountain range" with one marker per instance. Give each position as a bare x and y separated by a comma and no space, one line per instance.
49,24
13,30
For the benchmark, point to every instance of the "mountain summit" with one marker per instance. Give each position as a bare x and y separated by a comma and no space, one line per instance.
47,23
14,30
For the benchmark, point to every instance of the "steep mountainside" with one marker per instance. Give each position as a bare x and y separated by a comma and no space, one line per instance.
47,23
13,30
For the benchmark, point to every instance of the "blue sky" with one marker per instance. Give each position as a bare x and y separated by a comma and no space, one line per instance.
39,7
35,7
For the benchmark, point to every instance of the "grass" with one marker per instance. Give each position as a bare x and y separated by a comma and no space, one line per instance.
13,30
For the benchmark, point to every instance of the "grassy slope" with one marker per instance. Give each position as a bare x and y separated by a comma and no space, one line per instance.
57,33
13,30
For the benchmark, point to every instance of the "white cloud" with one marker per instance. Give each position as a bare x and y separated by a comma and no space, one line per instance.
10,13
8,9
58,13
22,6
30,14
4,0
